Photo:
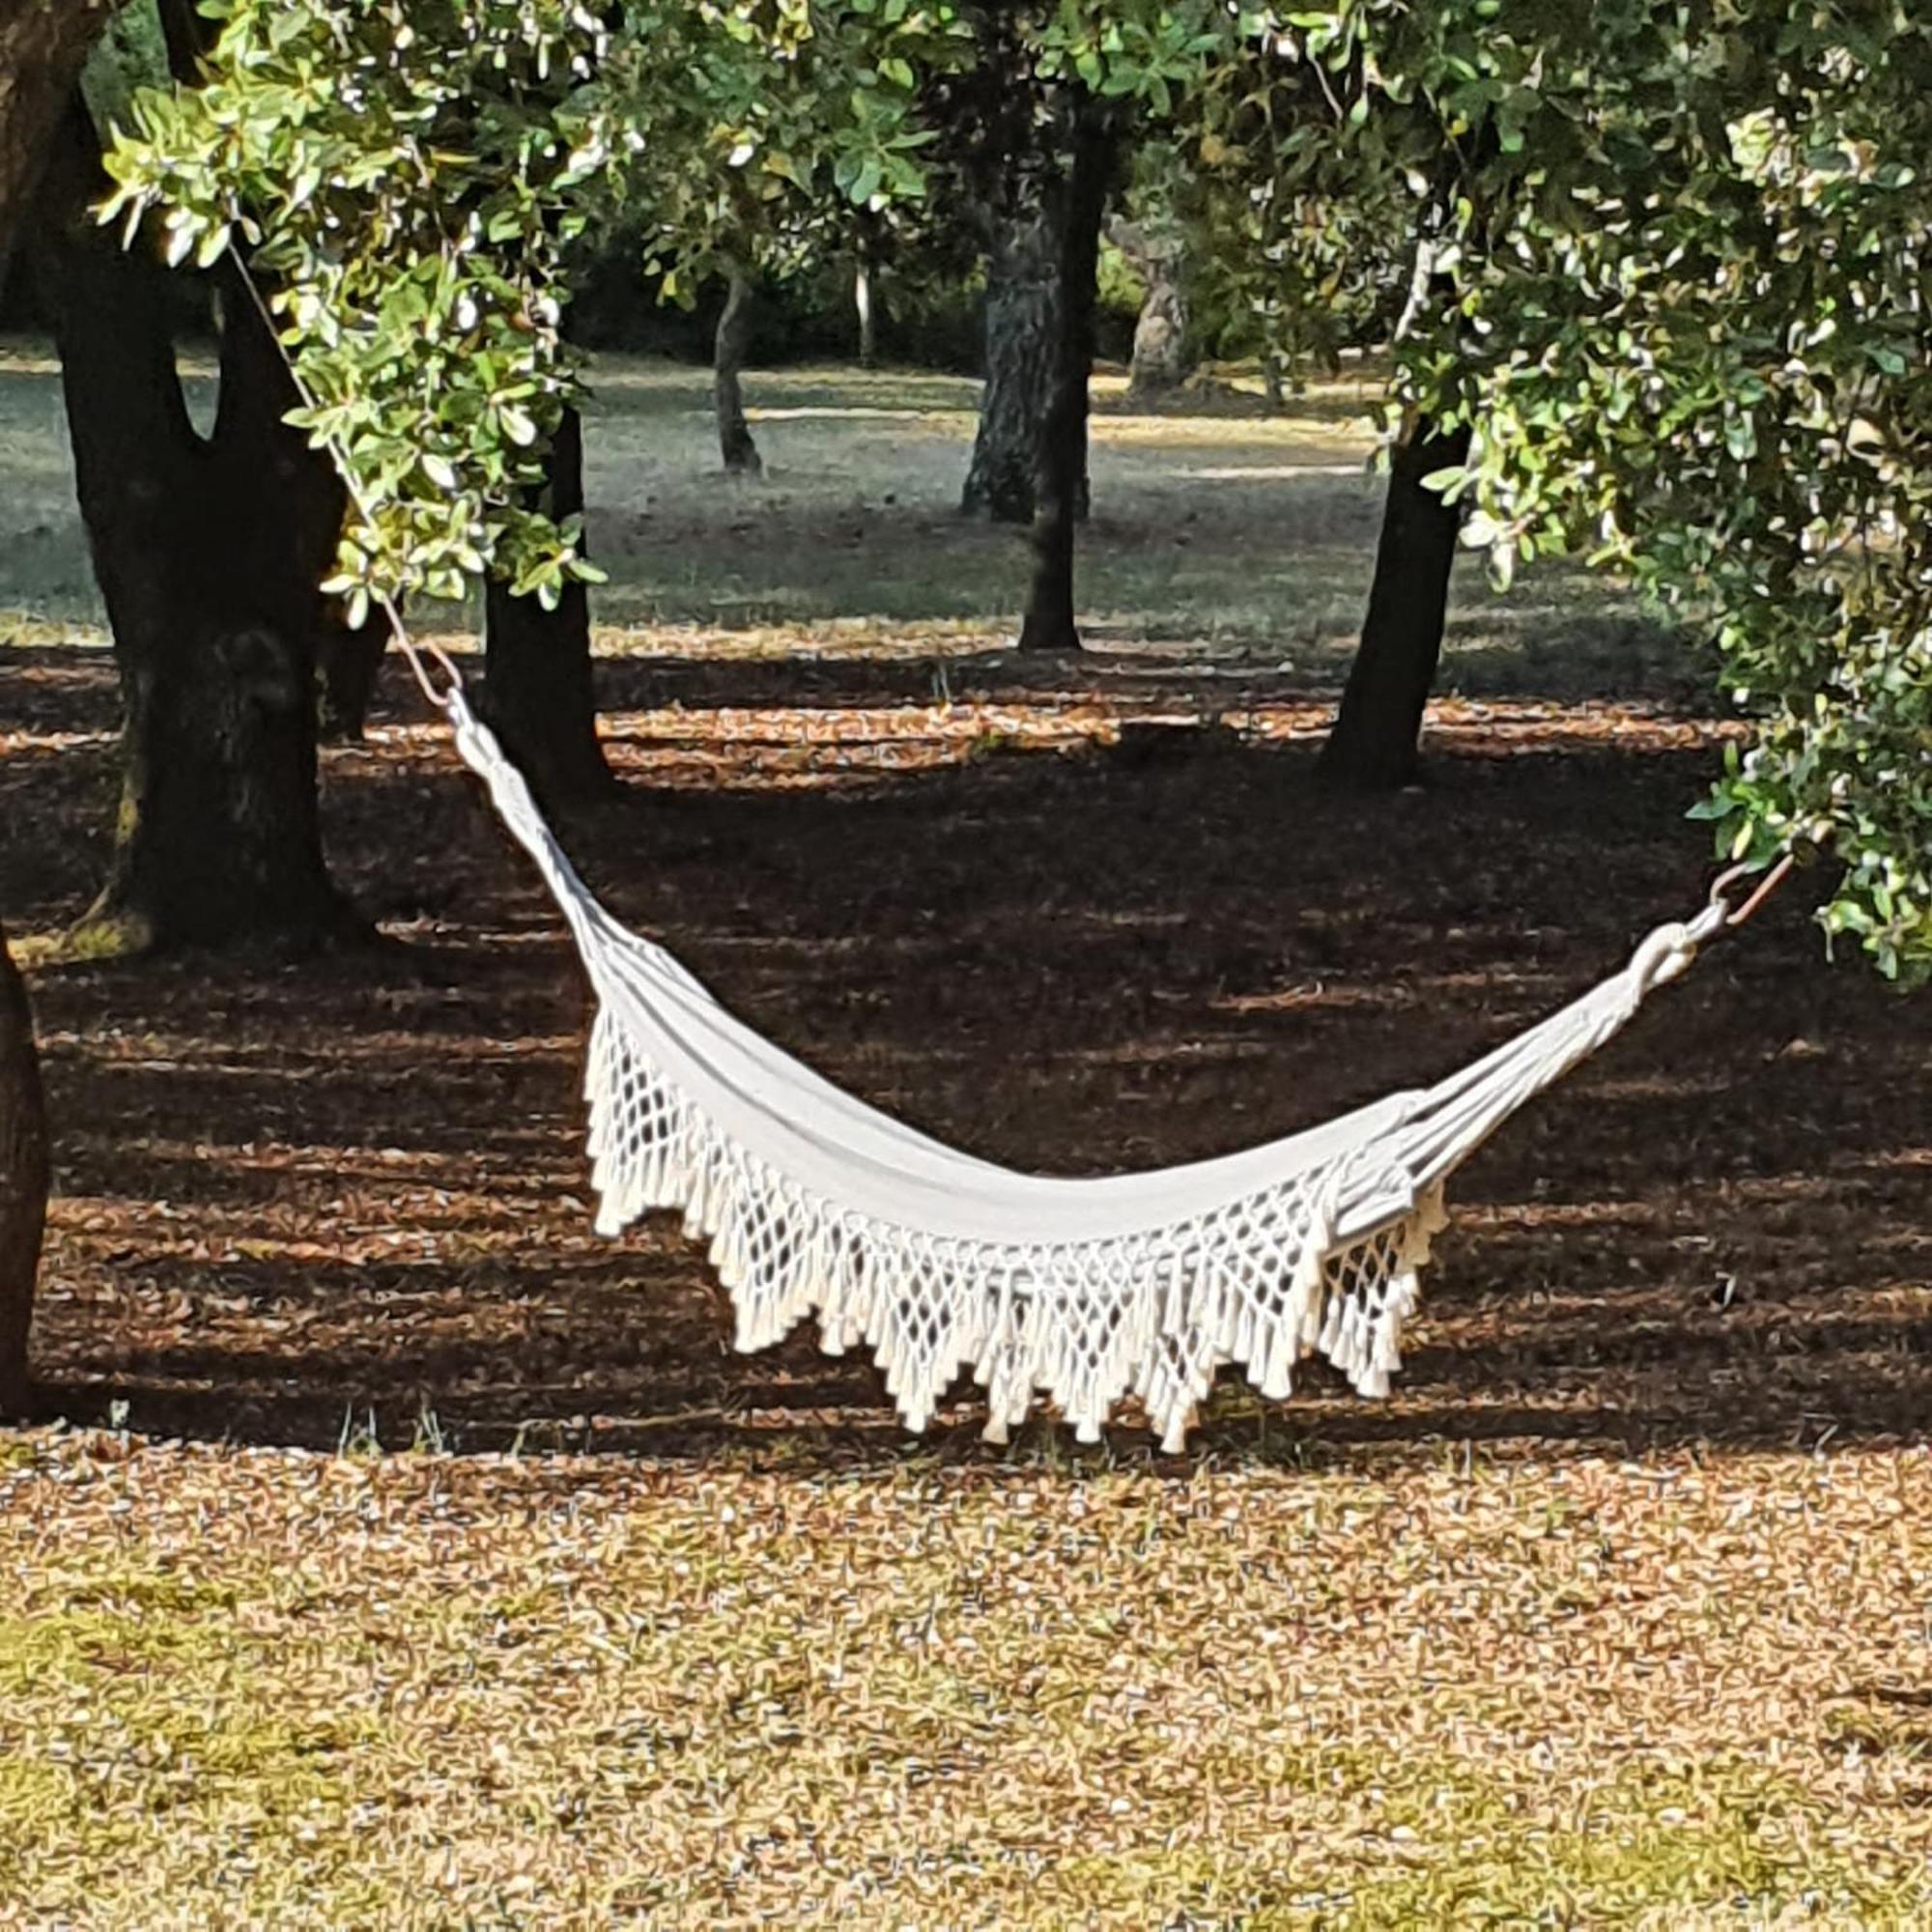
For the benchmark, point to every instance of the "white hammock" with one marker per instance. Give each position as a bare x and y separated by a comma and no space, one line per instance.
1087,1291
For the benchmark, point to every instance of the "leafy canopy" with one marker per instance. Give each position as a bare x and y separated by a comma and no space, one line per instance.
1668,259
1671,261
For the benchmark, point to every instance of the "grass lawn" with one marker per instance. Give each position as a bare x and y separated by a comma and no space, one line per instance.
410,1558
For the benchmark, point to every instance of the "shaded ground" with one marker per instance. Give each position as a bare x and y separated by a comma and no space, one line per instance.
1616,1606
369,1181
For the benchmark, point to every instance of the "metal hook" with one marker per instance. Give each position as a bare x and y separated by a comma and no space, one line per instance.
1736,916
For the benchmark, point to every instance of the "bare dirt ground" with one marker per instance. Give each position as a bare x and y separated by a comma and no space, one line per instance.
412,1556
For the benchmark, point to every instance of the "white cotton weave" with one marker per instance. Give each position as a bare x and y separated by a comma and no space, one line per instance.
1086,1291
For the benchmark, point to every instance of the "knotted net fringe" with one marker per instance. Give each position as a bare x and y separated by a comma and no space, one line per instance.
1086,1291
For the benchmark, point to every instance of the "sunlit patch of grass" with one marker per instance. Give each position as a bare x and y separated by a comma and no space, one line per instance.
1216,524
1051,1691
26,630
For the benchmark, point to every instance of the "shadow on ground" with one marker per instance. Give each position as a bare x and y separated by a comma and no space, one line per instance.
350,1199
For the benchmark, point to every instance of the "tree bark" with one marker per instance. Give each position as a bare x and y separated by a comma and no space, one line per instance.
735,442
1161,340
350,661
23,1183
1374,744
1160,334
537,685
1023,326
44,46
1049,624
207,552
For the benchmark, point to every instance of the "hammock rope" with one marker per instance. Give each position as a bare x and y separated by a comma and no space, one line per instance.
1084,1291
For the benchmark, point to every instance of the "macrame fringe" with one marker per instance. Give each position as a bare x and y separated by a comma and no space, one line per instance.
1259,1282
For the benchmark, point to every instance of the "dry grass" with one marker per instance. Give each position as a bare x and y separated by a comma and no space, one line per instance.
417,1560
268,1689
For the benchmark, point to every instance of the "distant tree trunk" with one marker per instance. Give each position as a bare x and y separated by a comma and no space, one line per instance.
1160,334
537,684
207,552
862,301
1023,328
24,1182
735,434
1161,340
1049,624
1273,381
1374,744
350,662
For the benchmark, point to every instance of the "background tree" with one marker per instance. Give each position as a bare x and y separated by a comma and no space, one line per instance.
1678,297
1151,237
784,140
1034,138
1075,210
1008,140
207,549
736,444
1375,740
1307,226
537,669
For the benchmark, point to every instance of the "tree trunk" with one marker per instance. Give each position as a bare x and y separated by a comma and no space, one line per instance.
44,46
1374,744
537,683
862,300
735,434
1023,327
1049,624
1160,334
350,661
207,552
24,1182
1161,340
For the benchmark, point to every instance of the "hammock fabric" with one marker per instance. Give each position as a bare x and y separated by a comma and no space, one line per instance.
1084,1290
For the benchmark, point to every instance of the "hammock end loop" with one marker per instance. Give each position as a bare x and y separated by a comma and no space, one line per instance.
1667,951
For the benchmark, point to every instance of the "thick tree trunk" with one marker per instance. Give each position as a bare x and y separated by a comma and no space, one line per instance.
44,46
1374,745
735,434
537,683
350,661
1023,327
207,553
1049,624
23,1183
